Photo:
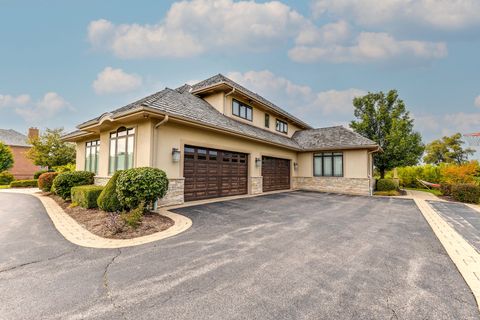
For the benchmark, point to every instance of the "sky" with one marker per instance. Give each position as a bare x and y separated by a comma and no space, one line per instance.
65,62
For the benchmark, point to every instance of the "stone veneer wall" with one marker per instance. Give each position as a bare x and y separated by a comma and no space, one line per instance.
256,185
333,184
174,194
101,181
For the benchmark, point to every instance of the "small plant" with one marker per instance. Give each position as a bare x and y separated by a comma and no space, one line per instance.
138,185
134,217
5,178
115,223
386,185
64,182
24,183
446,189
108,200
38,173
45,181
466,192
86,196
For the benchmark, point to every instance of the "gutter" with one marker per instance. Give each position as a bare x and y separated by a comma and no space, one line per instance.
153,147
225,100
370,176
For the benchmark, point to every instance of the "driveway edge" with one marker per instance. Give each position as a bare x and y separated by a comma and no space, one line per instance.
463,255
71,230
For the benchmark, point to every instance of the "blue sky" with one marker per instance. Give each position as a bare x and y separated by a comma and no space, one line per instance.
64,62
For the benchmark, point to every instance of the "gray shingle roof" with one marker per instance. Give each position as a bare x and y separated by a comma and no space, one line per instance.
219,78
337,137
13,138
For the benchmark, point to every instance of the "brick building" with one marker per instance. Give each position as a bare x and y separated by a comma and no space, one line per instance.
23,167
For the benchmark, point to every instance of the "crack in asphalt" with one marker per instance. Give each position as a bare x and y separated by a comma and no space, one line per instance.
106,285
36,261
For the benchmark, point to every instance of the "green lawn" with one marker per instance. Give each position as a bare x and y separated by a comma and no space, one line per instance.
432,191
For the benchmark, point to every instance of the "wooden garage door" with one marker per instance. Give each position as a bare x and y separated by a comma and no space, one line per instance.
211,173
276,174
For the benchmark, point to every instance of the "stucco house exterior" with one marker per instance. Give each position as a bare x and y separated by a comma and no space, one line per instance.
23,167
217,138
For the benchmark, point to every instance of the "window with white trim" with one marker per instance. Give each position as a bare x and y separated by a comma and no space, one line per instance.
92,151
121,149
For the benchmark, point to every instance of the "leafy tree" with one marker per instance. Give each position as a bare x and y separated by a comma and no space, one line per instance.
447,150
6,157
50,151
384,119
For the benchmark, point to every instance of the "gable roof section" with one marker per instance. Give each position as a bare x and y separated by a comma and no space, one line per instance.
337,137
221,79
13,138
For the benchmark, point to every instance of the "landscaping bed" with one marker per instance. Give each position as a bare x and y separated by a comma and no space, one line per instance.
110,225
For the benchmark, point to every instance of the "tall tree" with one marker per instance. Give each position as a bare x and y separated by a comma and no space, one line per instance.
447,150
6,157
384,119
48,150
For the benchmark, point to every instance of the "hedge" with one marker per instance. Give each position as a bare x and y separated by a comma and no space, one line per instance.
108,199
5,178
45,181
466,192
141,185
24,183
86,196
64,182
38,173
386,185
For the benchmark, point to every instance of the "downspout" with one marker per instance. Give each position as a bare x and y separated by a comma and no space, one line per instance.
225,100
154,156
370,169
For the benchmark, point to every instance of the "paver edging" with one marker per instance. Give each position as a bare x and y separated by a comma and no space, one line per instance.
71,230
463,255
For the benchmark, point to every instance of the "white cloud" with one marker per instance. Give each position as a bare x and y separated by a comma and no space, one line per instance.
436,126
111,80
437,14
192,27
14,101
317,107
50,105
369,47
477,101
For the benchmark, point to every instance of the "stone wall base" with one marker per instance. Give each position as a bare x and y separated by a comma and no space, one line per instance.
101,181
333,184
174,194
256,185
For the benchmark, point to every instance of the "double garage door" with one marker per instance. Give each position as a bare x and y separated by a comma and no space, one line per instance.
212,173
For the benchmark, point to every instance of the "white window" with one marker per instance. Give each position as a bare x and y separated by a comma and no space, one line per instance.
121,149
92,151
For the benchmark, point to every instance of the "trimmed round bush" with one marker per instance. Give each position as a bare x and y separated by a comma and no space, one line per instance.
141,186
386,185
24,183
466,192
86,196
45,181
38,173
64,182
108,200
5,178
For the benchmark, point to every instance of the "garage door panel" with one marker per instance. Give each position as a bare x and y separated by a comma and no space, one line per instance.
211,173
276,174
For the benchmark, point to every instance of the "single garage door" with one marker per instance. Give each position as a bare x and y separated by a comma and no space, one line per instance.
276,174
211,173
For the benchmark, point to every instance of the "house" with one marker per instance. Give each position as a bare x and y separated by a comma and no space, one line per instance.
23,167
217,138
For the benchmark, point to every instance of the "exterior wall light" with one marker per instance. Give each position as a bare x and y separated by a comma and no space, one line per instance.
175,155
258,162
295,166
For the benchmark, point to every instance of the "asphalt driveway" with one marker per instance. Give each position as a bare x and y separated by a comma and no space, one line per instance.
295,255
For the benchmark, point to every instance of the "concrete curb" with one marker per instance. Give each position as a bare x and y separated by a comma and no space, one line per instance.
75,233
463,255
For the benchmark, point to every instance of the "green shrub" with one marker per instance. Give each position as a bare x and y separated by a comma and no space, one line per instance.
24,183
134,217
108,200
446,189
466,192
386,185
45,181
408,175
86,196
65,168
64,182
138,185
5,178
38,173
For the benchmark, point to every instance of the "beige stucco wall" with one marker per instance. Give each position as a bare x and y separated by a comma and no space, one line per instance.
216,100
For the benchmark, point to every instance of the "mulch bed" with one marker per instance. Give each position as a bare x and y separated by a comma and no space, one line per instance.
110,225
